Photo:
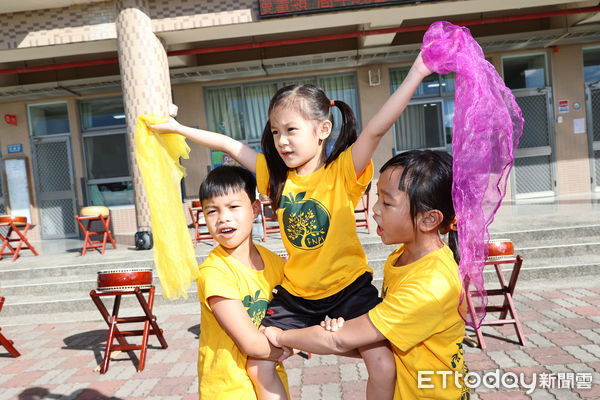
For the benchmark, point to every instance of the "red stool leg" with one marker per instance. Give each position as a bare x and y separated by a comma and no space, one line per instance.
109,341
104,234
22,241
87,242
5,244
471,307
144,346
194,215
106,223
8,344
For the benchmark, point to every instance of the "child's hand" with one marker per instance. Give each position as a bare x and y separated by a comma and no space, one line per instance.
272,334
287,353
169,126
332,324
420,67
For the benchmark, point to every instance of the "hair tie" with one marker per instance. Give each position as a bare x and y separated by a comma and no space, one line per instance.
332,102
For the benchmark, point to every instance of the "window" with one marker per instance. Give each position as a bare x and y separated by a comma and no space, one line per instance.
48,119
241,111
525,71
102,113
105,152
591,65
427,120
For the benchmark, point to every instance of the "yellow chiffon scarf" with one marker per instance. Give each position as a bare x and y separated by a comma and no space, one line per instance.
158,161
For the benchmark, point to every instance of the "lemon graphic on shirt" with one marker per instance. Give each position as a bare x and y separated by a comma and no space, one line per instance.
306,221
256,307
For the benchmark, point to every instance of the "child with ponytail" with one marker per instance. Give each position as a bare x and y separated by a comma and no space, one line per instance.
314,195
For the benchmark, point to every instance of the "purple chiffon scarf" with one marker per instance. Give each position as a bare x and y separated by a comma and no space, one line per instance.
487,126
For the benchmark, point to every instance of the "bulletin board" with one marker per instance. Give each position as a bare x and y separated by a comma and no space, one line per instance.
18,187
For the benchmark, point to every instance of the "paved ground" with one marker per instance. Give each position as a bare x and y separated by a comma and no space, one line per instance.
561,321
562,326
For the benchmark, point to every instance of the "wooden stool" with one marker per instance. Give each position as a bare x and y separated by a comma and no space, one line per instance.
91,214
118,283
14,223
361,212
8,344
269,217
501,251
195,213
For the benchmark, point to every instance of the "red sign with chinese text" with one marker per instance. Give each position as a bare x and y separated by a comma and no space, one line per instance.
277,8
10,119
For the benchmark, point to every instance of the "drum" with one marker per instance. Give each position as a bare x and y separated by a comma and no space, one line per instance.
124,279
94,211
501,249
17,221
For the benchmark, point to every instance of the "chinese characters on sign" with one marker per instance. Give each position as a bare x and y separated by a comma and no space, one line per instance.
273,8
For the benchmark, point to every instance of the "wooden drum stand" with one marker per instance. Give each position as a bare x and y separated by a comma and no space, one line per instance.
501,252
127,281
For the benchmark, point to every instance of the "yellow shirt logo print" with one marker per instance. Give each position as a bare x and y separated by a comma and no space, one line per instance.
256,307
306,222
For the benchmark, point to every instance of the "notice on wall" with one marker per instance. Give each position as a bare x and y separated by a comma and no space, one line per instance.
578,125
563,106
18,187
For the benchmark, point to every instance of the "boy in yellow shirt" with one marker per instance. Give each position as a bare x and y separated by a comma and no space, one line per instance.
234,288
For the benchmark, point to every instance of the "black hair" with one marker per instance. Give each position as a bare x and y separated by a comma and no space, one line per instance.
312,102
427,179
226,178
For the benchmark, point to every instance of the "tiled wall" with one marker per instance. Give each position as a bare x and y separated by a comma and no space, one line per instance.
96,21
189,14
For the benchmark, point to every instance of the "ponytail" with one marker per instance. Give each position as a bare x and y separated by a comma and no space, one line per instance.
278,171
347,134
453,244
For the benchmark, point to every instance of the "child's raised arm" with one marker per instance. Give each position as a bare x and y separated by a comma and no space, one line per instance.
382,121
242,153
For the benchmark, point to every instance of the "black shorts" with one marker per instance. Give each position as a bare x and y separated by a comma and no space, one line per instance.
287,311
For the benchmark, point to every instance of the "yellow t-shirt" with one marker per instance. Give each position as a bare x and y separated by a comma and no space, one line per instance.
419,316
316,217
221,364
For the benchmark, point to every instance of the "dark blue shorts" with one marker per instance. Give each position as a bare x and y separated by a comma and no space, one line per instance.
287,311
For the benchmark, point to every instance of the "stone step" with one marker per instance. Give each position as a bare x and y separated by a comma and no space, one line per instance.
558,251
559,233
65,301
83,282
59,286
82,302
29,289
374,251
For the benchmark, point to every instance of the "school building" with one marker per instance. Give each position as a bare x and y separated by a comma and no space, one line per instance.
74,74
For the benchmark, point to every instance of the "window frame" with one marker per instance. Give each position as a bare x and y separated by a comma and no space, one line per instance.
279,84
29,121
525,55
441,97
583,51
98,132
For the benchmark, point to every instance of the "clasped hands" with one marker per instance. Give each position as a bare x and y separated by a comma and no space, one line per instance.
274,336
